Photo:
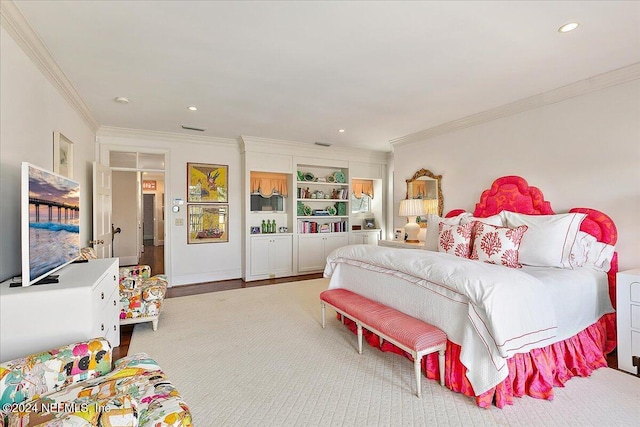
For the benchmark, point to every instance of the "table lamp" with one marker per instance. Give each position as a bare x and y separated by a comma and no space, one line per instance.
411,208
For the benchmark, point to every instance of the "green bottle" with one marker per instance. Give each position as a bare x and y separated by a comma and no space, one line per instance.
273,226
264,227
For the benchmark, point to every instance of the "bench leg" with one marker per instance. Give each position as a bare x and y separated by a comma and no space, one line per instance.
416,367
441,363
359,338
323,313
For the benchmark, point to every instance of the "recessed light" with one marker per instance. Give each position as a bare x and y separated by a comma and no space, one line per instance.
568,27
341,130
121,100
192,108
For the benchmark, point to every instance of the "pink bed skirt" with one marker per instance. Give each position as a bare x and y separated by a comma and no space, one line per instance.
533,374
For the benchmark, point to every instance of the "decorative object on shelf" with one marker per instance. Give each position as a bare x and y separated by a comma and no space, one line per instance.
356,227
300,209
332,210
341,208
306,210
207,223
308,176
300,176
331,178
339,177
411,208
207,183
369,223
62,155
283,230
324,228
255,230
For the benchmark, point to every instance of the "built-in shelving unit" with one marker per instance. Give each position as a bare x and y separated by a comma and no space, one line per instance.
317,209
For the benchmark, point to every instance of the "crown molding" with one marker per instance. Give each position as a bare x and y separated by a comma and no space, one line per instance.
153,135
305,149
582,87
19,28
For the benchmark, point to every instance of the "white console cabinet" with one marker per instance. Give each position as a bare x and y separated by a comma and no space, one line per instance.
365,237
83,305
271,256
314,248
628,308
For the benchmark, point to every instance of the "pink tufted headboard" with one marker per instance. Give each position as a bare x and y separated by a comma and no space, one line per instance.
513,193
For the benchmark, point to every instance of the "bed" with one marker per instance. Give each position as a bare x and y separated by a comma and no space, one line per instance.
511,331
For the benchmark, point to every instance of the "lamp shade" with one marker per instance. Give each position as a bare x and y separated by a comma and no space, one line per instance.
412,207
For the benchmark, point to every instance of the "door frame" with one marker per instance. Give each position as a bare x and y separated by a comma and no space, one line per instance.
103,153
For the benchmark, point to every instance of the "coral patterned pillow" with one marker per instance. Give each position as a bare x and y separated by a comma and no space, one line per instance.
497,245
455,239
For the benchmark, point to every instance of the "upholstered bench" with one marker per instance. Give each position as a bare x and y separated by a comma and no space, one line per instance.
408,333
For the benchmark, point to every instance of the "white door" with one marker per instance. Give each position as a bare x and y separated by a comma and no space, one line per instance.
311,252
283,260
101,241
260,248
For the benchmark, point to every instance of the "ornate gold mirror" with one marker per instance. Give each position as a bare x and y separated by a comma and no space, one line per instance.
426,186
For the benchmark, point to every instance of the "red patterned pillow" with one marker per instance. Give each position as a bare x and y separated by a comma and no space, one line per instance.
497,245
455,239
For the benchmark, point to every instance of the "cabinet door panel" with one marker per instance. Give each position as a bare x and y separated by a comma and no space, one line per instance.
259,255
311,253
283,255
333,242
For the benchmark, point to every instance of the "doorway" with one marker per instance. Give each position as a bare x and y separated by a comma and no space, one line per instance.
143,243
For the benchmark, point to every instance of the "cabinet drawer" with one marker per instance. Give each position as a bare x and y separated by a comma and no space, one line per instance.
635,291
104,289
635,316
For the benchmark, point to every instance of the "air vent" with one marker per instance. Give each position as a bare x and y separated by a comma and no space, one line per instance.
323,144
193,128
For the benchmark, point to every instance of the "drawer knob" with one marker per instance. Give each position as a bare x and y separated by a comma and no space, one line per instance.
102,327
114,303
101,295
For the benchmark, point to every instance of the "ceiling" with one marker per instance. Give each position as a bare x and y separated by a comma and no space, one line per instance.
300,71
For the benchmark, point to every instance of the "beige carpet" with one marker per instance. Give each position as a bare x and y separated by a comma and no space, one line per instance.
259,356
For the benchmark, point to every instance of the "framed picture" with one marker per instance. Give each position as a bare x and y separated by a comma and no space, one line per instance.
369,223
62,155
255,230
208,223
207,183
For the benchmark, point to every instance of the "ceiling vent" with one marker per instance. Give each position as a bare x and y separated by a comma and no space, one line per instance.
193,128
323,144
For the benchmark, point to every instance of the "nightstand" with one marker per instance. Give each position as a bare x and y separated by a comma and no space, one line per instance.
400,244
628,308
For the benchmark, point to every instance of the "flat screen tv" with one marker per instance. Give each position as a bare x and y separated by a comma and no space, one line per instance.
50,226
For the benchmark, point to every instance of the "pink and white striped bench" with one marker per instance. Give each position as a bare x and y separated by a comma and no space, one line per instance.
410,334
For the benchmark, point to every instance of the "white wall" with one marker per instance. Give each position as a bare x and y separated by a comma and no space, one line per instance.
195,263
581,152
31,109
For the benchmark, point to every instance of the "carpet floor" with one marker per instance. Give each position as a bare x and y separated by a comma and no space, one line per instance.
259,356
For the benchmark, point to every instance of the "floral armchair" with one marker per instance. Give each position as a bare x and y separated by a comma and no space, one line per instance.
141,295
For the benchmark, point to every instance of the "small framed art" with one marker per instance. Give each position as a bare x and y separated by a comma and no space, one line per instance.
62,155
207,183
208,223
369,223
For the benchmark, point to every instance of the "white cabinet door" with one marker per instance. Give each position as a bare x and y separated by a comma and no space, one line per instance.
310,252
282,261
332,242
271,255
260,247
314,248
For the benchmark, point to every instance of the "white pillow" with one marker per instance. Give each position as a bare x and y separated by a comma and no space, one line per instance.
600,256
497,245
549,238
491,220
579,252
455,239
433,233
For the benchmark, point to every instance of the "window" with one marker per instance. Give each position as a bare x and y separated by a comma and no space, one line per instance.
361,204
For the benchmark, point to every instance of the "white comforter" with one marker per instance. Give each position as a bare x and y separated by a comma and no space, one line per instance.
492,312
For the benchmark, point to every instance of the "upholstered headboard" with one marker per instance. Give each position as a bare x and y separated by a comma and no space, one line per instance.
513,193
